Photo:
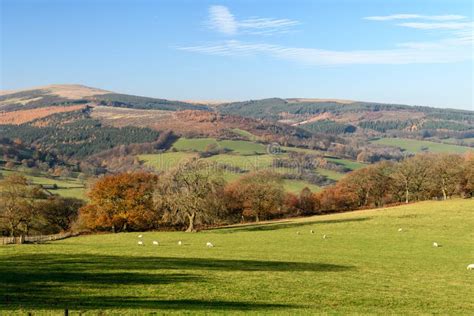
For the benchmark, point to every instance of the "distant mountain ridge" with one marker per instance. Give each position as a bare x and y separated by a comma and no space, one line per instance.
332,116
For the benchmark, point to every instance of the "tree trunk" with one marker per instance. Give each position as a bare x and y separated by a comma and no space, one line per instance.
12,230
113,228
257,218
443,188
191,218
406,193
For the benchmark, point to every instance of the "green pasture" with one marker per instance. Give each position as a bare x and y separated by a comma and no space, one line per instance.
365,265
416,146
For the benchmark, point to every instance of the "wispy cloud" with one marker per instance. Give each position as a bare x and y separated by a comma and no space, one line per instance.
446,17
223,21
454,46
438,26
410,54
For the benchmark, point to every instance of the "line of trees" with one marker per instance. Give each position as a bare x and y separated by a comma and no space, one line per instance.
26,209
421,177
195,195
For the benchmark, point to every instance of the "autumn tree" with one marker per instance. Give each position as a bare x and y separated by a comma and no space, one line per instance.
467,180
58,213
17,204
191,193
447,173
306,201
412,176
371,185
121,202
260,193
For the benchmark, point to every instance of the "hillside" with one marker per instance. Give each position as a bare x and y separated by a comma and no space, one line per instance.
96,131
365,265
342,116
54,95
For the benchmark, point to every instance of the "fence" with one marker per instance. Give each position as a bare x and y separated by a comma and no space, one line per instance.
33,239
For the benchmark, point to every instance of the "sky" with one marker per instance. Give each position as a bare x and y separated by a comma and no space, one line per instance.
416,52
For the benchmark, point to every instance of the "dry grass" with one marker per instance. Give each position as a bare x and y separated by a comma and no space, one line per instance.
24,116
68,91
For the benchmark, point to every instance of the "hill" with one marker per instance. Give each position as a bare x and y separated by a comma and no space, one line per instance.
63,94
73,122
343,116
364,266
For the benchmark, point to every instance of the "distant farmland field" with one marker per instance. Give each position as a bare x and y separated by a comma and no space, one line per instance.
66,187
416,146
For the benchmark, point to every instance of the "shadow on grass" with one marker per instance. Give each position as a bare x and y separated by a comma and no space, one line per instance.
285,225
55,281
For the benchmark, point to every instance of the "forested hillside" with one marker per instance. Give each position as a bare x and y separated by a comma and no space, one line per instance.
95,131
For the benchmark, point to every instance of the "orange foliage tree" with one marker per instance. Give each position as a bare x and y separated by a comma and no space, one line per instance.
257,194
121,202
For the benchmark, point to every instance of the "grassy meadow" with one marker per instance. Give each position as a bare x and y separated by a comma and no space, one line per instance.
66,187
246,155
365,265
416,146
238,146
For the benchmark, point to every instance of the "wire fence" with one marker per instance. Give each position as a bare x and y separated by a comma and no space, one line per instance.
34,239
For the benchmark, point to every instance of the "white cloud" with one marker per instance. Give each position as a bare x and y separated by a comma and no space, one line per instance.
410,54
446,17
438,26
223,21
454,46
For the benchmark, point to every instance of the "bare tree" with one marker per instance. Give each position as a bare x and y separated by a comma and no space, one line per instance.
412,174
17,209
191,193
448,169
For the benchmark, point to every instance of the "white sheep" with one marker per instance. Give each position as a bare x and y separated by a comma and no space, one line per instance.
297,233
140,236
179,243
311,231
140,243
471,266
155,242
435,244
400,229
324,236
209,245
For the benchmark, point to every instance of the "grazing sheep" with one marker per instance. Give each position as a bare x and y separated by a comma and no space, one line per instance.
140,243
400,229
297,233
471,266
140,236
209,245
435,244
324,236
179,243
155,242
311,231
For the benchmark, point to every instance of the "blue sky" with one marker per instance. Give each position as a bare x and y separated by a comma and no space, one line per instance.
411,51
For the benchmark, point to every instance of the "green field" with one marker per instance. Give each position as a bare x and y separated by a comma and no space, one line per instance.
67,187
364,266
469,141
295,186
245,134
238,146
416,146
349,164
255,162
166,161
245,155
